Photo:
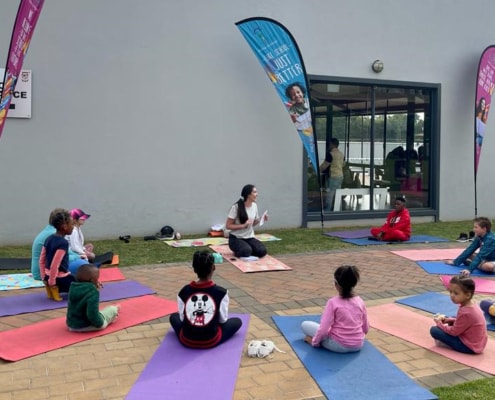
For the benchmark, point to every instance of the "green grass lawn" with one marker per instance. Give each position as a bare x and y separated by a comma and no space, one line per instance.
297,240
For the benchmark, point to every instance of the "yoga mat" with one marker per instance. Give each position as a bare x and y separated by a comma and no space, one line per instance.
432,302
415,328
361,233
33,302
176,372
26,281
267,263
214,241
439,267
482,285
15,263
438,303
429,254
414,239
111,274
18,281
366,374
17,344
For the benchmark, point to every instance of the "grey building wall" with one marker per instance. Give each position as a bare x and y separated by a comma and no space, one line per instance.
157,112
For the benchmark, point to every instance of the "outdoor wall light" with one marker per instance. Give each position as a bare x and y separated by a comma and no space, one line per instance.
377,66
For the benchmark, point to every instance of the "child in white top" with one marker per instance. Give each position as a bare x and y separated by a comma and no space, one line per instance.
344,322
76,239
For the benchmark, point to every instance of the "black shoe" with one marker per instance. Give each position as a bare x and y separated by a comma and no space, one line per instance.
471,236
463,237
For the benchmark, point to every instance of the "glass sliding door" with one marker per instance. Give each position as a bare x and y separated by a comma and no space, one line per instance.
385,135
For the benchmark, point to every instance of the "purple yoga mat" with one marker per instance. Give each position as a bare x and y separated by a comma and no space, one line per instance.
361,233
32,302
176,372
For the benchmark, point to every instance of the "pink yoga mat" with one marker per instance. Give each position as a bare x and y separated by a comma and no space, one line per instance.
415,328
429,254
482,285
267,263
17,344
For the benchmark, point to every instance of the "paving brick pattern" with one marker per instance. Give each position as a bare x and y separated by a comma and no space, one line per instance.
105,368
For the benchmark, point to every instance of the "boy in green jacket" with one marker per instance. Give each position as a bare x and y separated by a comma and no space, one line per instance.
83,312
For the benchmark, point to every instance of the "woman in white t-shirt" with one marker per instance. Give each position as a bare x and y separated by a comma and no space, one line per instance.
243,216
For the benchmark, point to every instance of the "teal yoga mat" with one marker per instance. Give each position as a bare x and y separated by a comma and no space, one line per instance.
414,239
367,374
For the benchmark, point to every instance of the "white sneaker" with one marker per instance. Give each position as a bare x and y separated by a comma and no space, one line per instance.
253,348
262,349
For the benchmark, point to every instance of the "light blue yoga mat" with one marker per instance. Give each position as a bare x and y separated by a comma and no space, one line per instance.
366,374
176,372
439,267
434,302
414,239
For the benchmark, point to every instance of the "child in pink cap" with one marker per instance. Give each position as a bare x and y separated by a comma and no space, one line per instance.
76,239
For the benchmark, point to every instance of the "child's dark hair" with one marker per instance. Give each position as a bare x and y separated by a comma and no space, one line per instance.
347,277
466,284
484,223
86,272
58,217
293,85
203,263
241,207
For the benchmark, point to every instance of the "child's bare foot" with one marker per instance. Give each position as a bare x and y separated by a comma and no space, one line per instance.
308,339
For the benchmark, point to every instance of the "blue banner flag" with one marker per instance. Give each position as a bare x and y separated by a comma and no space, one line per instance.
279,55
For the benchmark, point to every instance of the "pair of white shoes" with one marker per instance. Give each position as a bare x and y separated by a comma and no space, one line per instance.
261,348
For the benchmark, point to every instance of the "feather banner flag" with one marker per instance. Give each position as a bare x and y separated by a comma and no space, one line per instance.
27,16
485,83
279,55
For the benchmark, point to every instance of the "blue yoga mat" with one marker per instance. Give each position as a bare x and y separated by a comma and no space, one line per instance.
176,372
434,302
439,267
33,302
366,374
414,239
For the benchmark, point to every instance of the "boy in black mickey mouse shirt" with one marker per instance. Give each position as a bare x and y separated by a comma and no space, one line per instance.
202,321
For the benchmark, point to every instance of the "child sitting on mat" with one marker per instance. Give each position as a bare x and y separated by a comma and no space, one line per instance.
484,240
54,258
76,238
83,312
466,332
397,227
344,322
202,321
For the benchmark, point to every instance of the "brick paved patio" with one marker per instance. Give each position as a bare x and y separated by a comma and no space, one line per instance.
106,367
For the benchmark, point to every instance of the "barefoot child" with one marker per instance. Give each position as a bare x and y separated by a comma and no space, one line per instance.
466,332
83,312
484,240
344,322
